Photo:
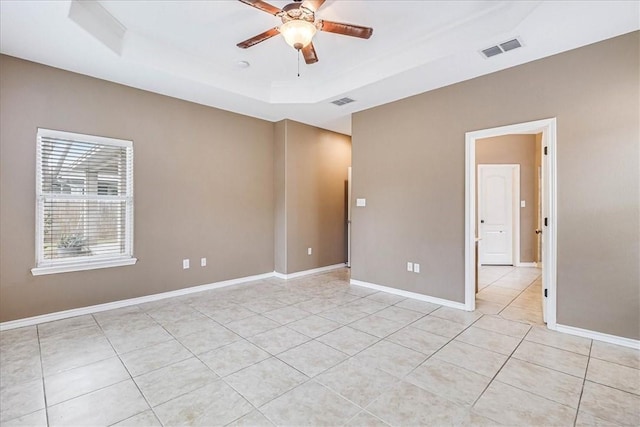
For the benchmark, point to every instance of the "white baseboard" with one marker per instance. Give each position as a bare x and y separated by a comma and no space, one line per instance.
527,264
599,336
30,321
50,317
308,272
412,295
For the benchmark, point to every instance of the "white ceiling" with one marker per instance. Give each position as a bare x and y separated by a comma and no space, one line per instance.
187,49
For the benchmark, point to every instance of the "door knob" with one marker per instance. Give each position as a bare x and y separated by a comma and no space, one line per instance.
538,231
482,221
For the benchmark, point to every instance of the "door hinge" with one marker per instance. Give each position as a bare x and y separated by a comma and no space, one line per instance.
545,293
545,151
546,222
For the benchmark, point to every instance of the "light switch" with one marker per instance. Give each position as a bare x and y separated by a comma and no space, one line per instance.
361,202
523,204
409,266
185,264
416,267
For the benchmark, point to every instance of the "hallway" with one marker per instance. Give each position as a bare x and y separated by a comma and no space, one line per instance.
513,293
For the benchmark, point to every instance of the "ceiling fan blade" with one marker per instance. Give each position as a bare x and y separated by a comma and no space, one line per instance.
345,29
262,5
313,5
259,38
309,53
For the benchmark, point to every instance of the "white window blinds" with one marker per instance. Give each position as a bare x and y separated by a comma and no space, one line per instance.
84,199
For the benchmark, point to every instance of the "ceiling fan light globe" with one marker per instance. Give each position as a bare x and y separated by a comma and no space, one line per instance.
298,33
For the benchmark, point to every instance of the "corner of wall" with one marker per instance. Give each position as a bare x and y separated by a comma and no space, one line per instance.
280,195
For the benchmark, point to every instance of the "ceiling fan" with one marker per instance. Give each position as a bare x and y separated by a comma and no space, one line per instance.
299,25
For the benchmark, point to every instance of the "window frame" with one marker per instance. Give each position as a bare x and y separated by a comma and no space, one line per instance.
48,266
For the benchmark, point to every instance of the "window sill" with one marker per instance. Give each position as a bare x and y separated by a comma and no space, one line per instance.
66,268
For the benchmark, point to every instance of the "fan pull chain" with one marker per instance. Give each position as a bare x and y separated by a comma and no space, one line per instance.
298,62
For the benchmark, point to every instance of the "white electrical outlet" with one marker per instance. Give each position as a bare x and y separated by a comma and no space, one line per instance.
409,266
185,264
361,202
416,267
523,204
203,262
309,251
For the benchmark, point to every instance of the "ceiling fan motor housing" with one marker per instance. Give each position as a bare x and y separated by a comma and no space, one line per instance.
294,11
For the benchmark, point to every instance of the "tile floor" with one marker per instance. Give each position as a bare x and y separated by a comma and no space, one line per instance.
315,351
513,293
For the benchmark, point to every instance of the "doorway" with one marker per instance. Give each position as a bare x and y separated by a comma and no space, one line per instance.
513,293
547,287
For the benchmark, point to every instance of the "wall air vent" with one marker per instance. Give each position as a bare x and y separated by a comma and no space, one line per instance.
342,101
501,48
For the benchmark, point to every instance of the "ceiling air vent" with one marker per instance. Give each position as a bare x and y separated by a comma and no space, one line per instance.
501,48
491,51
342,101
510,45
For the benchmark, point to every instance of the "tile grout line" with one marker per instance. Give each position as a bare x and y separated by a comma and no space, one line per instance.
196,356
615,363
613,388
270,400
357,330
380,339
498,372
553,346
584,380
271,356
521,389
128,372
440,348
518,296
44,387
81,365
78,367
220,378
473,324
369,413
548,367
403,377
313,378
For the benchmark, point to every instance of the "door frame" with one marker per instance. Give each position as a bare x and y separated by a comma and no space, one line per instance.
349,217
549,197
515,208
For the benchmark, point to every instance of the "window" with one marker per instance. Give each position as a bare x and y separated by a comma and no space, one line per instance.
84,202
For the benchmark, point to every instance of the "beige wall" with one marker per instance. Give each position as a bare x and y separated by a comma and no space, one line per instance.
203,188
312,197
520,150
408,161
